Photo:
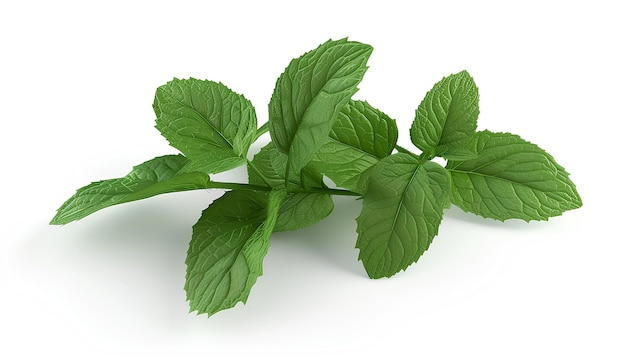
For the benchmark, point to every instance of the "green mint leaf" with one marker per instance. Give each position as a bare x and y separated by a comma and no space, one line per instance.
446,119
309,95
212,125
366,128
299,210
511,178
261,171
360,137
402,210
227,248
269,165
157,176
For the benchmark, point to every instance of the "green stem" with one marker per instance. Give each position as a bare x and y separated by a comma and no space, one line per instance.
236,186
329,191
287,174
243,186
426,156
259,173
406,151
261,130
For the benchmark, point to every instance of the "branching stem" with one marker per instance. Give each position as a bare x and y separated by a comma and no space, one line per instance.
252,187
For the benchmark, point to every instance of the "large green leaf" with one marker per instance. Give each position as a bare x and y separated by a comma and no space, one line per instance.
511,178
360,137
299,209
227,248
402,210
212,125
446,119
309,95
157,176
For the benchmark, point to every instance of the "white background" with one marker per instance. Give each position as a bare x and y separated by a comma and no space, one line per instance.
76,87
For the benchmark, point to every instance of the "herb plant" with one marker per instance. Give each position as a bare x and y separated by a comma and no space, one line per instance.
317,130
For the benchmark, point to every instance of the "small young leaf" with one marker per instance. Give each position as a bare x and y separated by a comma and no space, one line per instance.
157,176
402,210
309,95
299,210
511,178
212,125
227,248
446,119
360,137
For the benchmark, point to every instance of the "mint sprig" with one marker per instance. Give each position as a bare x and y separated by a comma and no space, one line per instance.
317,130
